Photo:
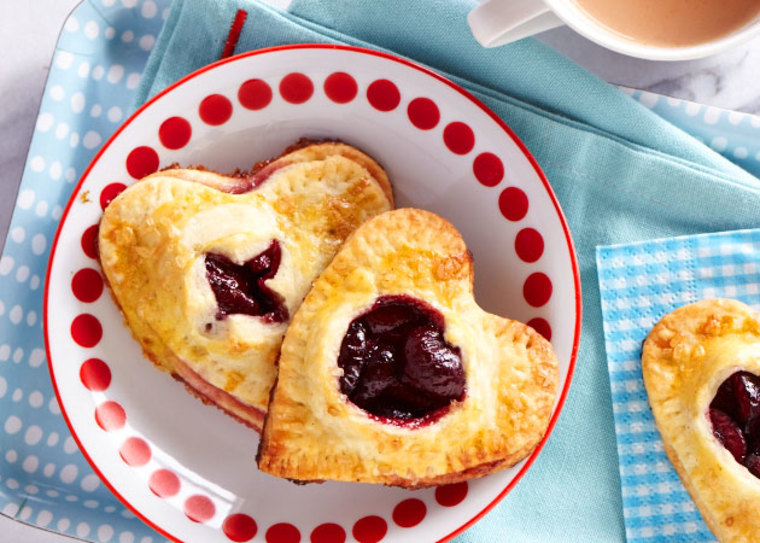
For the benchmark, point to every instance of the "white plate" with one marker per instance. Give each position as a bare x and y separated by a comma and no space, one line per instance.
169,457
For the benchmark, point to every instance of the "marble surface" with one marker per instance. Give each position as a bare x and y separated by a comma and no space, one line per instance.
29,30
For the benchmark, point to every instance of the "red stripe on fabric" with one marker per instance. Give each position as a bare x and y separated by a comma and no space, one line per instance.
234,35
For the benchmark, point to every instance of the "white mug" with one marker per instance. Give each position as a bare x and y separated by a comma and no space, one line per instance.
497,22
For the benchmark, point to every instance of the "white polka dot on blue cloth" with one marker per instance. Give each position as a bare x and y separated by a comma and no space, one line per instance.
37,163
91,29
25,199
61,130
77,102
39,244
147,41
115,73
91,139
83,529
44,518
69,473
105,533
45,122
22,273
16,314
71,24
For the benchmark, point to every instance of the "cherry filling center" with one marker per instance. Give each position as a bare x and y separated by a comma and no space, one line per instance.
396,363
241,288
735,417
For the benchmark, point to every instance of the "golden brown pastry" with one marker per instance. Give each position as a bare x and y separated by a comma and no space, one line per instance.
208,268
391,373
700,366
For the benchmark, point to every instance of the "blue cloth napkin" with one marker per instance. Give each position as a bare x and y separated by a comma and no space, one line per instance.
620,172
640,283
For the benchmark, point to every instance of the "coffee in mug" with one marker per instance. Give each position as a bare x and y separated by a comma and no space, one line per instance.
672,23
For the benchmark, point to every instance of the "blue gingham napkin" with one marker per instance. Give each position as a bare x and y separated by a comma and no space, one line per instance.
640,283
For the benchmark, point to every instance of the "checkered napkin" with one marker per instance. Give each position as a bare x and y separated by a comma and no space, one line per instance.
639,284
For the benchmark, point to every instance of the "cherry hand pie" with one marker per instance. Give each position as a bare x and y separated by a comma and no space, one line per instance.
208,268
701,366
391,373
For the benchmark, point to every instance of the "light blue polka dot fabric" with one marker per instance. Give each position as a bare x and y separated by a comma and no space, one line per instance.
733,134
100,55
44,480
639,284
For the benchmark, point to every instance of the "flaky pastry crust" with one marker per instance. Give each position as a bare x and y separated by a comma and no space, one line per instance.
313,432
685,359
154,237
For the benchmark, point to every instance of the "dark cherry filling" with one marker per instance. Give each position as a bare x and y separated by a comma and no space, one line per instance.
240,288
396,364
735,417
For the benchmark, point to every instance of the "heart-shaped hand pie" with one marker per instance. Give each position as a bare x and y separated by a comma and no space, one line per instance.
391,373
208,269
701,365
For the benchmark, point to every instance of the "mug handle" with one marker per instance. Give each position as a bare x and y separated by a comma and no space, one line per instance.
496,22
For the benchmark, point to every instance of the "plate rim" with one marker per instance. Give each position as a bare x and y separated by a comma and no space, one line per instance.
387,56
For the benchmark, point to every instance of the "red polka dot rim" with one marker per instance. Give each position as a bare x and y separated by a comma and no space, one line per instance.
423,113
340,87
383,95
215,109
409,512
175,132
113,190
164,483
141,161
255,94
296,88
157,448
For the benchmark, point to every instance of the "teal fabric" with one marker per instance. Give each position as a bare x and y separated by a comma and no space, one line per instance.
620,172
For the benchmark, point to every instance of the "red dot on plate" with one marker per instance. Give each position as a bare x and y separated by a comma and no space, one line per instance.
459,138
255,94
175,132
215,109
409,512
423,113
328,533
383,95
370,529
90,241
282,532
513,203
164,483
87,285
95,375
488,169
340,87
537,289
199,508
86,330
109,193
142,161
296,88
529,245
451,495
542,327
239,527
135,452
110,416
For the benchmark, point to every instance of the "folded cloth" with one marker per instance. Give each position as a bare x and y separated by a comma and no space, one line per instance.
620,172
